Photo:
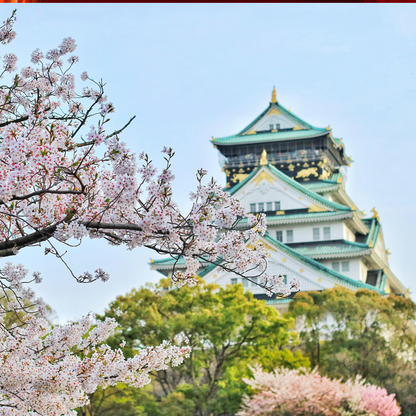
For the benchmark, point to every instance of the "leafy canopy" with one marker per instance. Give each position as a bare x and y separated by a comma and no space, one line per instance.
227,329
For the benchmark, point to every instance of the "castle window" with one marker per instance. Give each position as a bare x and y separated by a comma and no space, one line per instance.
327,233
316,234
254,281
252,207
277,205
245,282
372,277
285,279
279,236
277,126
261,206
289,236
233,281
271,126
270,206
345,266
335,266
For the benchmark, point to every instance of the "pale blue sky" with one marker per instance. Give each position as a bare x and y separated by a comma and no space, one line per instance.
189,72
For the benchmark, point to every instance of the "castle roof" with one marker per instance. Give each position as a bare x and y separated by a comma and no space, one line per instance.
269,137
293,128
313,264
293,184
307,261
331,249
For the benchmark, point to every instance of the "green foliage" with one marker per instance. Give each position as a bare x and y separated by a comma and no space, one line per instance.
227,329
16,316
346,333
120,401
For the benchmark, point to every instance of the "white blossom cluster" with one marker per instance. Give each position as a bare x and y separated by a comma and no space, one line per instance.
60,181
51,370
275,285
53,185
42,370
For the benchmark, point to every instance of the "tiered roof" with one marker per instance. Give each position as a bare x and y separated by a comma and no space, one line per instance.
333,183
301,130
320,208
293,184
331,249
333,275
307,261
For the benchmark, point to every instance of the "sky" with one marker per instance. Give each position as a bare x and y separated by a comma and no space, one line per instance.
190,72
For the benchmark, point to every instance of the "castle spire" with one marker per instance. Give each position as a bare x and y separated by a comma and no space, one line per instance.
274,100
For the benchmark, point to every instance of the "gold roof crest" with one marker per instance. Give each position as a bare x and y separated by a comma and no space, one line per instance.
263,160
274,99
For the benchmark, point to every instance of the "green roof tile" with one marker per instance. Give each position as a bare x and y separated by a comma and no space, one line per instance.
310,216
374,226
277,301
168,262
309,262
320,186
269,137
320,267
330,248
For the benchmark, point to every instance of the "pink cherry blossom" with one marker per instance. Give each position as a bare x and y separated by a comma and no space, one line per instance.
55,185
303,392
64,177
43,370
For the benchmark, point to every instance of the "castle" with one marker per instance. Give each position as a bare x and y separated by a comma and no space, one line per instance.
295,173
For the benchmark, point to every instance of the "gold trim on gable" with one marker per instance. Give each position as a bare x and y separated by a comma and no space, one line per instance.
251,132
273,111
280,213
264,176
265,245
297,128
316,208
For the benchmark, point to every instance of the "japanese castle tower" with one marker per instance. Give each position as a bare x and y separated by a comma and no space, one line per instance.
293,172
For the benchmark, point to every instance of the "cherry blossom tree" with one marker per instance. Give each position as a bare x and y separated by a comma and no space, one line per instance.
302,392
60,181
64,177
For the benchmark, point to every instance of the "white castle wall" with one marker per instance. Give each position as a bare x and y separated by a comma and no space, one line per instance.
303,233
348,234
357,270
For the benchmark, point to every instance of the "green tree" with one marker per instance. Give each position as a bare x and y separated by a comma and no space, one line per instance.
119,400
227,329
346,333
